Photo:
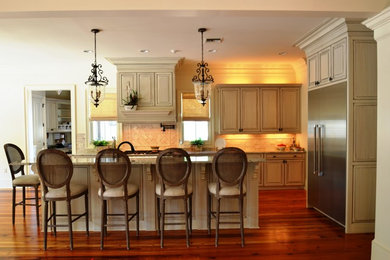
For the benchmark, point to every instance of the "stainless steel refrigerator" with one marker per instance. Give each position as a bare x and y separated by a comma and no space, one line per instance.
327,146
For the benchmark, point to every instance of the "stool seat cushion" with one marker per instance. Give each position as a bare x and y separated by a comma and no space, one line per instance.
173,191
226,190
118,192
22,180
75,189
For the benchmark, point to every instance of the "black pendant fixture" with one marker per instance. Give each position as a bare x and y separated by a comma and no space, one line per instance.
202,81
96,81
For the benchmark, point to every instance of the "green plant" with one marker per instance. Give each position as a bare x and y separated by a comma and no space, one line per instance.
198,142
132,99
100,143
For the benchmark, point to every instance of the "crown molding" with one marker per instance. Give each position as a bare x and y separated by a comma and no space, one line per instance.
378,20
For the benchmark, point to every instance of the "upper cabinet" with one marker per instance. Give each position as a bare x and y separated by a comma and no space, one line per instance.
258,109
328,65
154,80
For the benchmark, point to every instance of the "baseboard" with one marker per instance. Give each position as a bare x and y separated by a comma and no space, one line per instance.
379,251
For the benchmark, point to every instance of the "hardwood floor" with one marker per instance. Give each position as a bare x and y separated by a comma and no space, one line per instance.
287,231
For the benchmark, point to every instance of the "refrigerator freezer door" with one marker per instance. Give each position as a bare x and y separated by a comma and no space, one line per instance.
326,188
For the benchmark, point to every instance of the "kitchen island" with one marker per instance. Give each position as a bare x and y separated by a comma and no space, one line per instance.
144,175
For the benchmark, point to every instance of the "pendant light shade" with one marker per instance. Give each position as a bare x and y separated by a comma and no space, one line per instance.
96,81
202,81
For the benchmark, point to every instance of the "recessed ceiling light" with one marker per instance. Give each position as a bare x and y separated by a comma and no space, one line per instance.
174,51
144,51
88,51
212,51
282,53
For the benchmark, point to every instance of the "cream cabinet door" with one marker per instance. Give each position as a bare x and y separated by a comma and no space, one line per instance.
312,67
339,60
145,88
229,110
274,173
163,89
294,174
289,110
324,66
128,82
51,116
250,121
269,99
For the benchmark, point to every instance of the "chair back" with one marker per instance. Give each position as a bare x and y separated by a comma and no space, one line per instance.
174,167
125,144
114,167
55,169
230,165
14,154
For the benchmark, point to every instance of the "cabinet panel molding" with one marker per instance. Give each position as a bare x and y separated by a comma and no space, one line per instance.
269,109
363,195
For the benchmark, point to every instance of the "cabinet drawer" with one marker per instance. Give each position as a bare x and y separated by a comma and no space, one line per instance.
285,156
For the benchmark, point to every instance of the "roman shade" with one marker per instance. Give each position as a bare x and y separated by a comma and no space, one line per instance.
192,110
107,110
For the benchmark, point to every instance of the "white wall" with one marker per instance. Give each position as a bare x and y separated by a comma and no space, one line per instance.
381,244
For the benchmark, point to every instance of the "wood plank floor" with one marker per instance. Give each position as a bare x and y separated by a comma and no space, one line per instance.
287,231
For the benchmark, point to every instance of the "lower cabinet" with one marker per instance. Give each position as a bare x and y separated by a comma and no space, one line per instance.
283,170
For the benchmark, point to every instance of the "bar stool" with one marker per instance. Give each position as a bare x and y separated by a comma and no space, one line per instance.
114,169
229,167
55,170
14,154
174,167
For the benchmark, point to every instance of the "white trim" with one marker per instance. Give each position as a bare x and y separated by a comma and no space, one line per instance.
379,251
378,20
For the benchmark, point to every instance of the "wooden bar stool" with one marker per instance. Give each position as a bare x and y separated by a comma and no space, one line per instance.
55,170
174,167
229,167
114,169
14,154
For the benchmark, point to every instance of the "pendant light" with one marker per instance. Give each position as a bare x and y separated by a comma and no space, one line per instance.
202,81
96,81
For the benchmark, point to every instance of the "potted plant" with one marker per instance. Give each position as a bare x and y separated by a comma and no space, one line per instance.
197,145
100,144
131,102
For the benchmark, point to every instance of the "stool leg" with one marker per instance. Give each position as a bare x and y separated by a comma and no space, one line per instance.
54,217
242,221
186,220
13,204
137,208
208,212
70,224
158,215
162,209
86,213
105,216
45,210
37,203
24,202
127,224
102,225
190,213
217,222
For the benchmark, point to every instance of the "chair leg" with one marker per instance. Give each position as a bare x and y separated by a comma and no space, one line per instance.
54,218
158,215
137,216
24,202
45,211
13,204
217,222
86,213
127,224
242,221
162,219
105,216
186,220
70,224
190,213
208,212
102,225
37,203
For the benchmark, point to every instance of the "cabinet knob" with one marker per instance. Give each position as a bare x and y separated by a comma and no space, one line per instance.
295,155
240,130
280,129
274,156
330,78
316,83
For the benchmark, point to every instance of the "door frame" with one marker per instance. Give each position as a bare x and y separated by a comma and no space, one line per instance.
28,93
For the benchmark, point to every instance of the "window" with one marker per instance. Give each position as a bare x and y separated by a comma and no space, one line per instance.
195,118
103,130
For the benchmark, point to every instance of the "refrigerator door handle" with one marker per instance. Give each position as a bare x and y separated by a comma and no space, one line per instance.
320,144
315,150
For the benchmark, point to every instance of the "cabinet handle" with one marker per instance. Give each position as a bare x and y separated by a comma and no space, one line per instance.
316,83
280,129
240,130
330,78
274,156
295,155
